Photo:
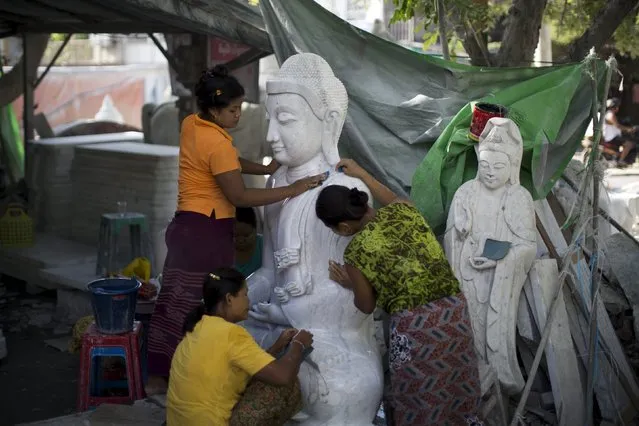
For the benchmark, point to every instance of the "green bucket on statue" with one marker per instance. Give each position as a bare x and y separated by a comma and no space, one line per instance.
482,112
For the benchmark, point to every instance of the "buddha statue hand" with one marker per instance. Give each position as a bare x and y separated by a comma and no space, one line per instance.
269,312
294,289
481,263
281,294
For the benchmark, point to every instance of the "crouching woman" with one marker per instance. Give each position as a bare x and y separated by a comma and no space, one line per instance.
394,262
219,374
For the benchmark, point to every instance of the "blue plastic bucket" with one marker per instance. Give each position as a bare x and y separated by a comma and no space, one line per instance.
114,301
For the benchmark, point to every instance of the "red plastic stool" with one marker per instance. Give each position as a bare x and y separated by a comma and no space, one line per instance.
92,383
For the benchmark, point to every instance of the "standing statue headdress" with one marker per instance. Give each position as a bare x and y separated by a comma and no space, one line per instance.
503,135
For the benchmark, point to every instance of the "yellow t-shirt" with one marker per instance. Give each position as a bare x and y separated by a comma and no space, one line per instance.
206,150
210,370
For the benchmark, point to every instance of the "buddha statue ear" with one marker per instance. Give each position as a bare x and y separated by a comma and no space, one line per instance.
330,136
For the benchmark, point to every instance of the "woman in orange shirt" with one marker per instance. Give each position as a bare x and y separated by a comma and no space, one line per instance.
200,236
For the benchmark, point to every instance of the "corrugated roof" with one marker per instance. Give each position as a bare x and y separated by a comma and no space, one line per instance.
234,20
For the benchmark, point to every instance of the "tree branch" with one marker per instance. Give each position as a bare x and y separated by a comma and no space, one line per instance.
469,40
522,33
602,28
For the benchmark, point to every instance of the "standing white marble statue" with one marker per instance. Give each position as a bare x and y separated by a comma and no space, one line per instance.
342,383
494,207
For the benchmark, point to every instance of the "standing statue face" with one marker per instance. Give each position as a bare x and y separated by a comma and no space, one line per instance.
294,131
494,169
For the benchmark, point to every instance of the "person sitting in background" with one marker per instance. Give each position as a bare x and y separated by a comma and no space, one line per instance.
248,243
213,364
616,136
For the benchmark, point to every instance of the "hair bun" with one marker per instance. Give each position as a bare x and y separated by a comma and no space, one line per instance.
357,198
220,71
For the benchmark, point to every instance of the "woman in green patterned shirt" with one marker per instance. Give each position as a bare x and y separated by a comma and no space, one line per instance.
394,262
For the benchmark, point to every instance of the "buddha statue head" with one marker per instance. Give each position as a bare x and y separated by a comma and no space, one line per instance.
499,153
306,106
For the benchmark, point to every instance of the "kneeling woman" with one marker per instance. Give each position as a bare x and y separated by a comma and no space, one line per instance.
213,364
395,262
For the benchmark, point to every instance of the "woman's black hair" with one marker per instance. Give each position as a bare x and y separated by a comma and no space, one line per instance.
246,215
337,203
216,286
217,89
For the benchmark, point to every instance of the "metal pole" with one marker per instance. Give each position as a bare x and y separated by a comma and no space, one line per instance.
53,60
441,20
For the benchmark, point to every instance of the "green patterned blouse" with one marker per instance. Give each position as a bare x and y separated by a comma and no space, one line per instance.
399,255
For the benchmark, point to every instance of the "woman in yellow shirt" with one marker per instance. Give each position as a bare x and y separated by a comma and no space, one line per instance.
217,358
200,236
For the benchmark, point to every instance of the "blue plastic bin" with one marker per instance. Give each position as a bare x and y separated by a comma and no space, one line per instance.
114,301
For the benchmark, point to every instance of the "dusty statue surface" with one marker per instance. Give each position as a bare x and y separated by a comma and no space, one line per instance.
491,244
342,383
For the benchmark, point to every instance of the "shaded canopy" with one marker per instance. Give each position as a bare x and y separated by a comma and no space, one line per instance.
234,20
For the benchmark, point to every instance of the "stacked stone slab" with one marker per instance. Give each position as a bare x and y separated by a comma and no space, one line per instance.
49,178
143,175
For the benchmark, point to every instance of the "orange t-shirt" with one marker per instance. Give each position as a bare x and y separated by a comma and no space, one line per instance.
206,150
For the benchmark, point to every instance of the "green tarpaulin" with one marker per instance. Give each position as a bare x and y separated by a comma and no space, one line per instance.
553,113
11,143
403,105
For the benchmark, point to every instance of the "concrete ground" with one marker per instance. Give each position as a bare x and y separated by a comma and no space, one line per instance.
37,381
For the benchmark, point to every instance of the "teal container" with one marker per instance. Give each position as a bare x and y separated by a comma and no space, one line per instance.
114,301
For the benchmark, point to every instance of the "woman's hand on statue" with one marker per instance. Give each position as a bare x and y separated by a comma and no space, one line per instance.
351,168
284,339
481,263
307,183
303,337
337,273
272,167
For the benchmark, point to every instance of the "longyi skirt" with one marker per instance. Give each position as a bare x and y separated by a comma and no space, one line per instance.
196,245
434,376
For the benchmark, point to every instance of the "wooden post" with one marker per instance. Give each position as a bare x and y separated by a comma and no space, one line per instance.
27,98
594,283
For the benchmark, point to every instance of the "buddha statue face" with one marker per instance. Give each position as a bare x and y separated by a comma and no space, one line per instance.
306,107
294,132
494,169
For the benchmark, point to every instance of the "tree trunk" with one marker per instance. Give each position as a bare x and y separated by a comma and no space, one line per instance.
522,33
602,28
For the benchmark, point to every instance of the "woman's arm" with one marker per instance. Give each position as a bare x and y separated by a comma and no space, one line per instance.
282,341
362,290
284,370
251,168
380,192
352,279
234,190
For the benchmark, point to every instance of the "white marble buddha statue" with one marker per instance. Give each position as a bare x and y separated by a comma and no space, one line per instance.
490,243
342,383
